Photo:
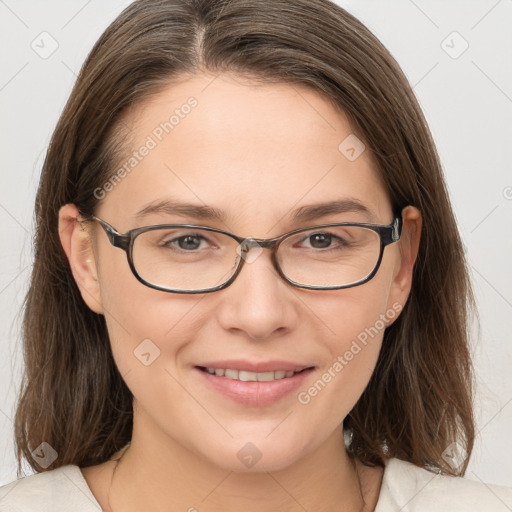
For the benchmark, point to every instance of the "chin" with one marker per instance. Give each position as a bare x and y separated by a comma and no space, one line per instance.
256,456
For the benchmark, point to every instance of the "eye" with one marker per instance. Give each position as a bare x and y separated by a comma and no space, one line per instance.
320,240
188,242
324,240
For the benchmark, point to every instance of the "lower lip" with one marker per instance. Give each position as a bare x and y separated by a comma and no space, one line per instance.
255,393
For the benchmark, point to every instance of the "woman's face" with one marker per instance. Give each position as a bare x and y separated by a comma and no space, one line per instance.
258,153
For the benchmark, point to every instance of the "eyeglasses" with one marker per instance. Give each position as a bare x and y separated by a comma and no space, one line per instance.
185,258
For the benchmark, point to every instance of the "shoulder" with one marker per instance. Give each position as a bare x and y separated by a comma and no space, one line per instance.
408,488
58,490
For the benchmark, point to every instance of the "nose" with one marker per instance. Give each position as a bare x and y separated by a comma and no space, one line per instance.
259,302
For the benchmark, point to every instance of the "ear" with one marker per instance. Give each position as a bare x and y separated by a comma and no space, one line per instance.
408,246
76,240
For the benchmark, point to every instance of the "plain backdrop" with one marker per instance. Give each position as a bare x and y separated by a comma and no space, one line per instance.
457,56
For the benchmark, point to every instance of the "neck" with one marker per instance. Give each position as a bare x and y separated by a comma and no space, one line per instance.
155,471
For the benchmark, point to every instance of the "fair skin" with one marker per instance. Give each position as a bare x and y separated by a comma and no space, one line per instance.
257,152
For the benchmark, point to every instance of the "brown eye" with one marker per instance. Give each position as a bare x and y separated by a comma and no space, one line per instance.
187,242
320,240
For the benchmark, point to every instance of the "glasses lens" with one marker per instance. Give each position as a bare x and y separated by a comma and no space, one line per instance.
184,258
331,256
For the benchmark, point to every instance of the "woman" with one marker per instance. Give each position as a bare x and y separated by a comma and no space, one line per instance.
248,277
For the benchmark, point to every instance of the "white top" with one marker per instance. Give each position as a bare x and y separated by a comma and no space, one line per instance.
405,488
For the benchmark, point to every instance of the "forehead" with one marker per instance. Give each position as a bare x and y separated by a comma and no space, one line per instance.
254,150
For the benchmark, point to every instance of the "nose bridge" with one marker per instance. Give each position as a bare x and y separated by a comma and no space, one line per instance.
265,243
256,301
257,245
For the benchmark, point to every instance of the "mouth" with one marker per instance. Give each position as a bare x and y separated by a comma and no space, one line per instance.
253,388
248,376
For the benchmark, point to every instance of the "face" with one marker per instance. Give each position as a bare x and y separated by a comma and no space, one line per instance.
258,153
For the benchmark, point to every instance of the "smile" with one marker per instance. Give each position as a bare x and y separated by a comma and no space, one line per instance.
247,376
251,388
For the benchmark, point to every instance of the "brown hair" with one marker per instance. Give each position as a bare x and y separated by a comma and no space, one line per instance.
419,398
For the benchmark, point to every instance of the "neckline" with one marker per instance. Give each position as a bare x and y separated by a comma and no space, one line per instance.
81,483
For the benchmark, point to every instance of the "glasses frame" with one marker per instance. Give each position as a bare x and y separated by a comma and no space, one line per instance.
388,234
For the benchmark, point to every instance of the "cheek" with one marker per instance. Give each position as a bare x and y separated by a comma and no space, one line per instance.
358,314
149,334
146,326
356,319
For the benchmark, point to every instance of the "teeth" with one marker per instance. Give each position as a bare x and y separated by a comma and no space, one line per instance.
246,376
265,376
230,374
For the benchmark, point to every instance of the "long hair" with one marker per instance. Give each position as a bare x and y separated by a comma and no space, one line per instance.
419,398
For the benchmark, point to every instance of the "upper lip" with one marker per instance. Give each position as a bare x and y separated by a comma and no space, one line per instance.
256,366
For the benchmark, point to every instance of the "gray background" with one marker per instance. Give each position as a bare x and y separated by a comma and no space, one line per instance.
467,99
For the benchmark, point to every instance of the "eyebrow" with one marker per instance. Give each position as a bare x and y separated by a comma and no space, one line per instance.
171,207
302,214
314,211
